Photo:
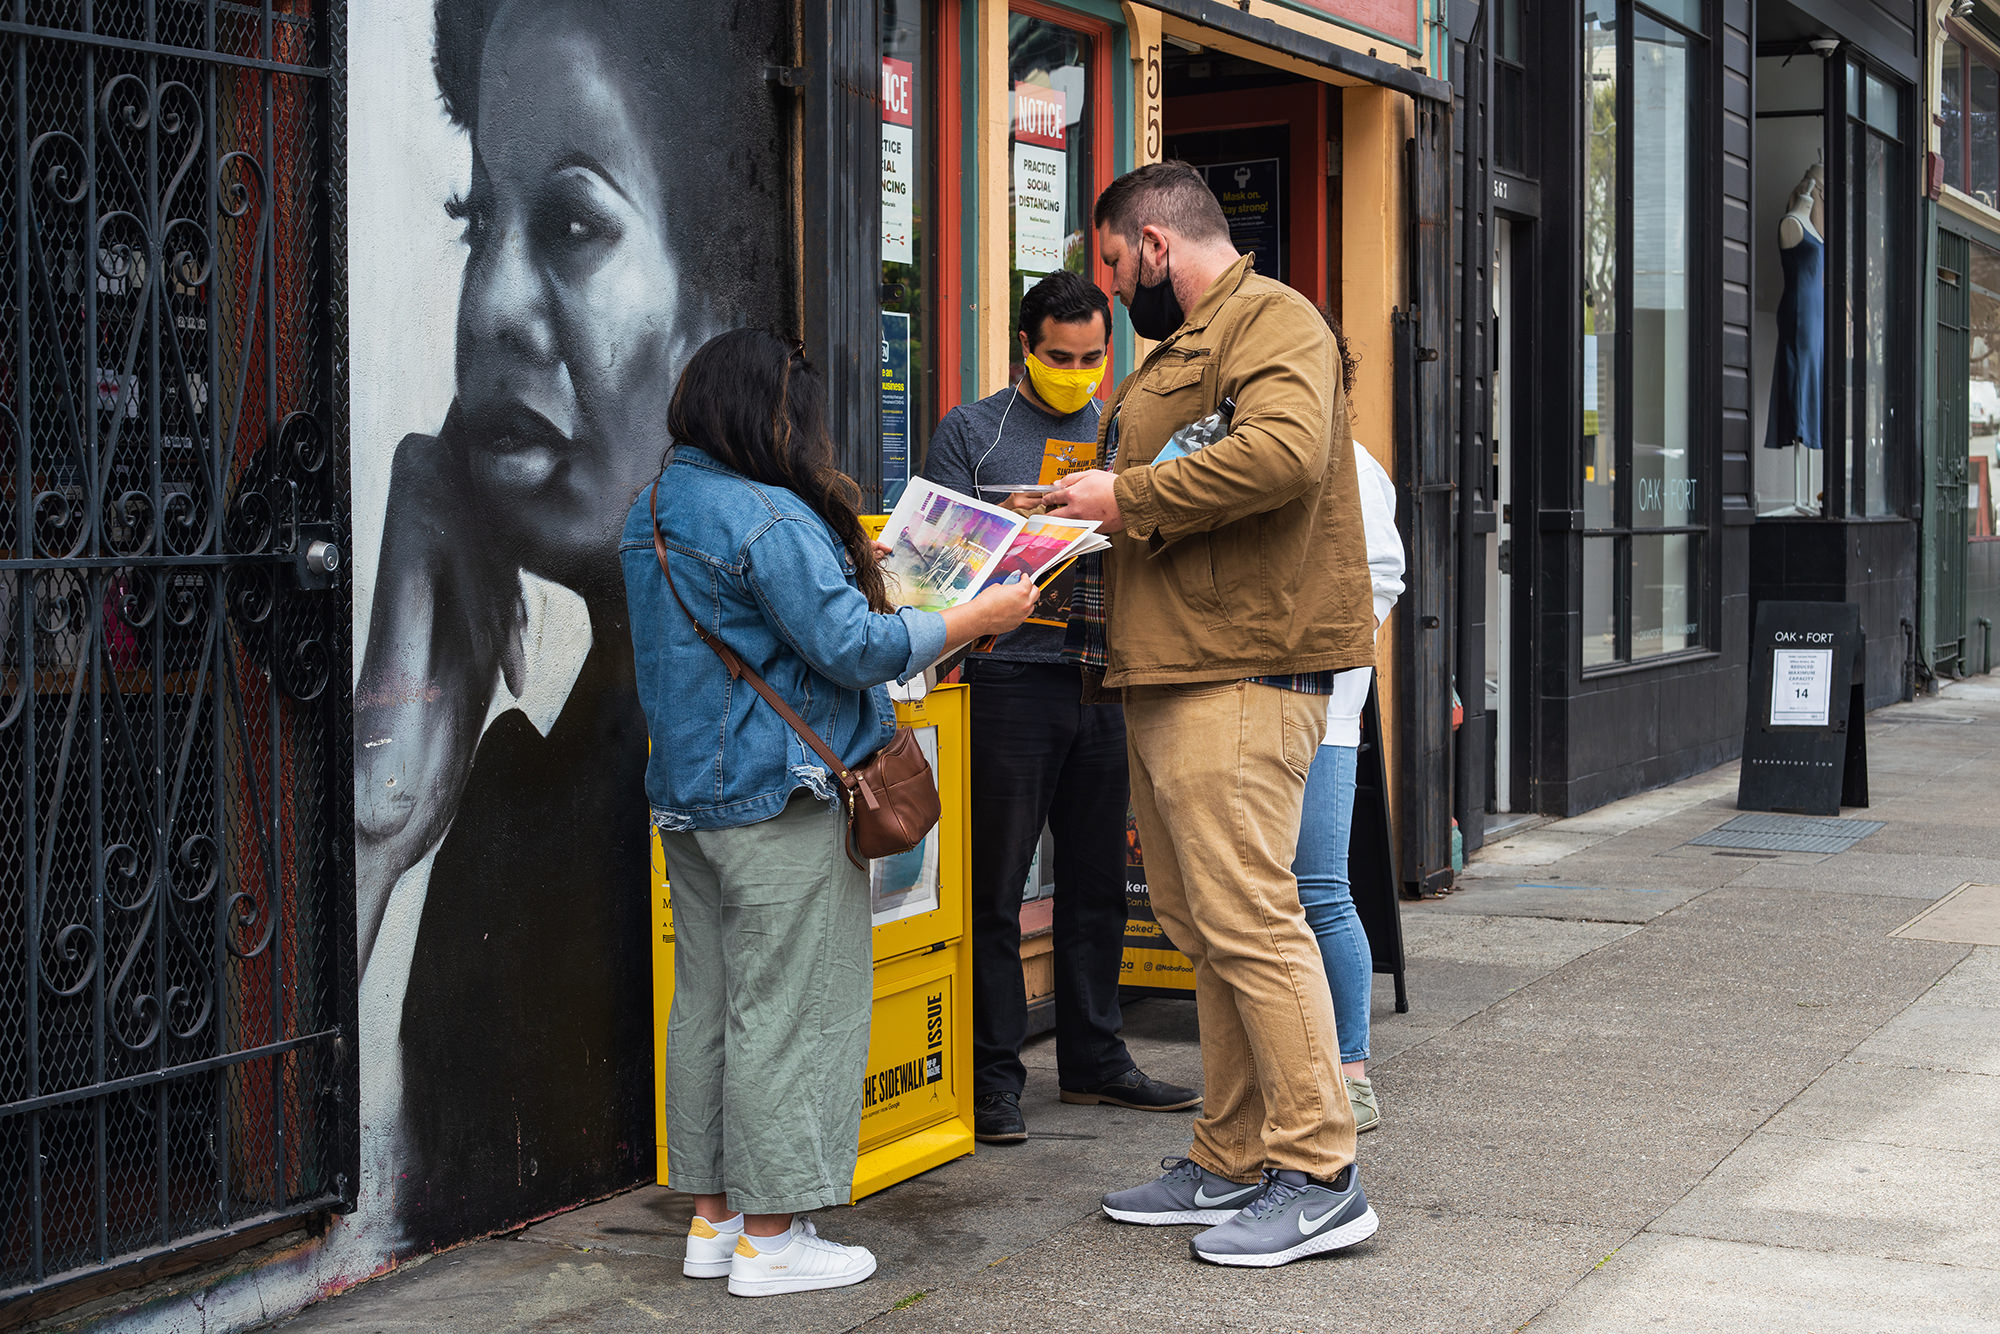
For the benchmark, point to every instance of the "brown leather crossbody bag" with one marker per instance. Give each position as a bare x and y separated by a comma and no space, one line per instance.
890,800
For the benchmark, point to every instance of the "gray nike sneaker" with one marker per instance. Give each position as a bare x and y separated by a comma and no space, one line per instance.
1294,1217
1186,1193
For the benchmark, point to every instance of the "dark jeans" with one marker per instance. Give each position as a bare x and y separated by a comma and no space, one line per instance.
1038,754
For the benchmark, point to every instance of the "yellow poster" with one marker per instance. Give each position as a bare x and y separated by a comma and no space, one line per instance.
1060,458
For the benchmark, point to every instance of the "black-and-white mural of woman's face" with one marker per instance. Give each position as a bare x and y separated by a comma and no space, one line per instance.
618,178
569,329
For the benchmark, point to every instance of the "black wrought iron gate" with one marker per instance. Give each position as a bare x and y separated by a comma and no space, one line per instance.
176,880
1427,497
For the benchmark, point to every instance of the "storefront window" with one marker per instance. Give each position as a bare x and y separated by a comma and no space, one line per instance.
1512,114
1054,183
1643,476
1983,396
1789,363
1873,399
906,95
1969,120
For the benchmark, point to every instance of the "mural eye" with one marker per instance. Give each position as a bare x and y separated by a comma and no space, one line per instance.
571,226
473,212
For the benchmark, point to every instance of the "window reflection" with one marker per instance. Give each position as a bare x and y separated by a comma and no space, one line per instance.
1951,114
908,382
1663,483
1641,585
1983,177
1873,394
1600,264
1983,393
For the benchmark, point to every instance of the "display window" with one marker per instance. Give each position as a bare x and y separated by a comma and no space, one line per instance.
1059,148
1982,374
1793,224
1875,251
1968,117
921,192
1644,469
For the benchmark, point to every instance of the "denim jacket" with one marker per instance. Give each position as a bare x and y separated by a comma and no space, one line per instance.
767,577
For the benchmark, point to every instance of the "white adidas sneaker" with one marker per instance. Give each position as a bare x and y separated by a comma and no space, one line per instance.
709,1247
767,1266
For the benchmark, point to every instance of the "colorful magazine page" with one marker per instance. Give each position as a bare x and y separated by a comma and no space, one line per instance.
1043,543
943,546
1088,546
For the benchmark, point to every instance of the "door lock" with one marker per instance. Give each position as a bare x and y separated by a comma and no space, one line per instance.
316,555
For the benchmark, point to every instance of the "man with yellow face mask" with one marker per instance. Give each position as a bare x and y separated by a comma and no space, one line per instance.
1039,754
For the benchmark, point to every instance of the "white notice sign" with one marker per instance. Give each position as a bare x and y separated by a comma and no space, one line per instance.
899,184
1041,190
1801,686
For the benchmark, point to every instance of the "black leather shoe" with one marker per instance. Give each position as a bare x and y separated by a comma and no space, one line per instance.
1135,1089
996,1118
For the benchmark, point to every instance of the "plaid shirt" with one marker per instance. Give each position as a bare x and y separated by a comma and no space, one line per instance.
1084,643
1304,683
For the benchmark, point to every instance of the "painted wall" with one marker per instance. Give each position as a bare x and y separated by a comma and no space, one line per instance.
551,204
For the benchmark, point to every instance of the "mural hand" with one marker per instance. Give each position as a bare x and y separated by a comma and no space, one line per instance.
445,625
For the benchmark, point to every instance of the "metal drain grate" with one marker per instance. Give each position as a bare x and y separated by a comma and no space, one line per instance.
1787,833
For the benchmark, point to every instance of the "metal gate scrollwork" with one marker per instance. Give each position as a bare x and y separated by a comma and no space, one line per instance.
176,881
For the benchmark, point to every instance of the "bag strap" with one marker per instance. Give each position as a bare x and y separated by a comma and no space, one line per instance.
740,670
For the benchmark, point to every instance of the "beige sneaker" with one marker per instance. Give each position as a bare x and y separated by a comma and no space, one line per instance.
1367,1115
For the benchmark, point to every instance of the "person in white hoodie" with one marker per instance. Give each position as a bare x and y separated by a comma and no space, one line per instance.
1321,861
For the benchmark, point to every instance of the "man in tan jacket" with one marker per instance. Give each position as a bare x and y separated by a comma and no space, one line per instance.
1236,587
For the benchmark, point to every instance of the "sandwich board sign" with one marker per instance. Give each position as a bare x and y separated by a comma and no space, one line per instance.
1805,748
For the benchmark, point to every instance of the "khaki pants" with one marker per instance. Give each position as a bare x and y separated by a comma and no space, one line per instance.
1218,785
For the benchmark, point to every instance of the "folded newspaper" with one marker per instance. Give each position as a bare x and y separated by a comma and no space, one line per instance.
945,546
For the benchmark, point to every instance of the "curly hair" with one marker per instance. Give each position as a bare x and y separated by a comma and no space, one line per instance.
1348,361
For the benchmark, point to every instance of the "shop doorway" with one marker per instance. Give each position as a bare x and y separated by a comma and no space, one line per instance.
1261,138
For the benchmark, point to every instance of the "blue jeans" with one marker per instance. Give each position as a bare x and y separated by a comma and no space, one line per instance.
1321,868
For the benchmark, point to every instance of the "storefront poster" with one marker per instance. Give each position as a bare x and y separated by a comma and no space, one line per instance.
899,167
906,885
1041,177
1801,686
1250,196
895,404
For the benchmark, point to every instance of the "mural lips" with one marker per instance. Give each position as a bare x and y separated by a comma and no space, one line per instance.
512,447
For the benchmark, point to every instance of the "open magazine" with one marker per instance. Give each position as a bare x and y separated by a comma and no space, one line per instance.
945,546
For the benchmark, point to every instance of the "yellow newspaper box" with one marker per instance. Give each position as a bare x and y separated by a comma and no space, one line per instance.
916,1092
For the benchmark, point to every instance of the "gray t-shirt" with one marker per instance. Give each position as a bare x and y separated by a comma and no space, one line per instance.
1005,440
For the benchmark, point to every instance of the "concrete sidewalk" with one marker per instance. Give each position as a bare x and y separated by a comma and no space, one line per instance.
1643,1085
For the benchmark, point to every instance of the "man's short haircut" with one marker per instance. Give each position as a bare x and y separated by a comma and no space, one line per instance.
1066,298
1162,194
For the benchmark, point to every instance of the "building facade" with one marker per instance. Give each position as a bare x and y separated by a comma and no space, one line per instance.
1694,257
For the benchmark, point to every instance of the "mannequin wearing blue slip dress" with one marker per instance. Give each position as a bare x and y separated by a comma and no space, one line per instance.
1798,374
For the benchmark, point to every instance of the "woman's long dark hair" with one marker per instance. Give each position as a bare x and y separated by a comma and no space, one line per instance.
753,401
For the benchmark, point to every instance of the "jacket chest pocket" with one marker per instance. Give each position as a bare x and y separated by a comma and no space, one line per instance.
1171,395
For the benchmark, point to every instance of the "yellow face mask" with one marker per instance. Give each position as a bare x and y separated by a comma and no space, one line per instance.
1064,390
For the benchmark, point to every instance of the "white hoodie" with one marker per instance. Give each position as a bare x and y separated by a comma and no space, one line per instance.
1385,577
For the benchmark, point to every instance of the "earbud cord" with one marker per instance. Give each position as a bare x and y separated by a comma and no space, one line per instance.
1002,428
996,436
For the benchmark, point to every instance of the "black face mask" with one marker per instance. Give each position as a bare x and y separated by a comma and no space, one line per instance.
1154,310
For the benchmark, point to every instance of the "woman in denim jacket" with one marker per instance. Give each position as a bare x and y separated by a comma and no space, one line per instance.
768,1039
